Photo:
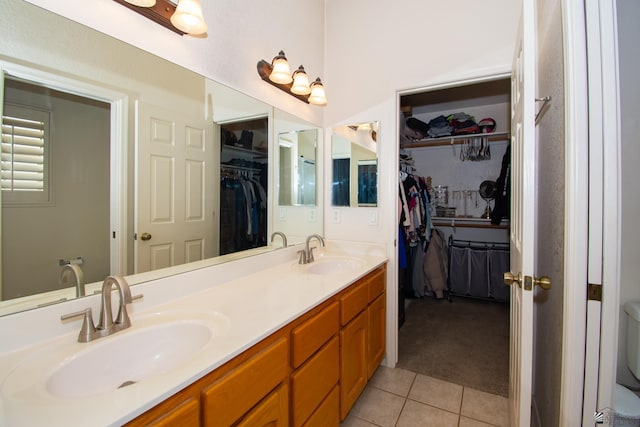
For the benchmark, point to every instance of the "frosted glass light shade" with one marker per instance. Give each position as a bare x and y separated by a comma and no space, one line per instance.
188,17
300,82
317,96
142,3
280,73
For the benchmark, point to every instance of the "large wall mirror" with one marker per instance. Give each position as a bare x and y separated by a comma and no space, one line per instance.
131,158
354,165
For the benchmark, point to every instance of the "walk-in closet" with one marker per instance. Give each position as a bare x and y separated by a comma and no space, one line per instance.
453,204
243,185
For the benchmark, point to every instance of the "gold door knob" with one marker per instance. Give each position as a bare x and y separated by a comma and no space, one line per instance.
510,279
145,236
544,282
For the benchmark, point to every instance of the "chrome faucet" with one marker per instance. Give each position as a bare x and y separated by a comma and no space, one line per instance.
306,255
76,278
106,325
281,234
122,321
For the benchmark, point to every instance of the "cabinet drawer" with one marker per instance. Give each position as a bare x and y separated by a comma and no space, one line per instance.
354,301
273,411
328,413
313,381
377,282
186,414
307,338
229,398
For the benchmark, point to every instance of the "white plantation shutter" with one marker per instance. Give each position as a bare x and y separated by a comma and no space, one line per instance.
22,154
24,161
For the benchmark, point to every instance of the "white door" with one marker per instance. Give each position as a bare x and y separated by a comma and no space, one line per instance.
174,191
523,205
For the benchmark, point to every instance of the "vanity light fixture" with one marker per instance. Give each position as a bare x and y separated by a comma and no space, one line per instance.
300,82
278,74
183,18
317,96
188,17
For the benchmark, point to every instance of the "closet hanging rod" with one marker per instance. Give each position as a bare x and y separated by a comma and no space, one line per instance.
239,168
455,140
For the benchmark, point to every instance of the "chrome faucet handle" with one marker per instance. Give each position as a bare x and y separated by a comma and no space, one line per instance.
302,258
88,329
310,257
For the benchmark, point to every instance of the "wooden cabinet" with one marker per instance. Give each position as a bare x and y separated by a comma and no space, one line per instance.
309,373
362,337
273,411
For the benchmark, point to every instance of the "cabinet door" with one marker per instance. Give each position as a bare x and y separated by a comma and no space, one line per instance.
314,380
353,362
376,324
273,411
328,413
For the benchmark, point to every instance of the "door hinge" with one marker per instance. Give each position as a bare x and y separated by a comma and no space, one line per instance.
594,292
135,236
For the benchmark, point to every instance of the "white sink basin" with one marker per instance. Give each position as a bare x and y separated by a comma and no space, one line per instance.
333,265
154,345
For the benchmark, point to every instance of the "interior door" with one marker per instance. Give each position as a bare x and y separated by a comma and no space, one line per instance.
174,191
522,234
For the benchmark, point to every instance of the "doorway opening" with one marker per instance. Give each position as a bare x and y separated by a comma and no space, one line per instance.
72,207
454,231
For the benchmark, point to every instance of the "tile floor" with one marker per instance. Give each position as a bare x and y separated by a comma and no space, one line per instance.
400,398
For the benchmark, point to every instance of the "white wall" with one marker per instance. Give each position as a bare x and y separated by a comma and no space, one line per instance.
629,66
373,49
241,32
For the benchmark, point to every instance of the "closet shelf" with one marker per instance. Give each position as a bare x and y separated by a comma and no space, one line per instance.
455,140
465,222
254,153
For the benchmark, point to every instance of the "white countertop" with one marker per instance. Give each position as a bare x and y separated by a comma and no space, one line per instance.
257,296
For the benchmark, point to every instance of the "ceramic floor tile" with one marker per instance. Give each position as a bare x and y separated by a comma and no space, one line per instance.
468,422
438,393
353,421
486,407
396,381
416,414
378,406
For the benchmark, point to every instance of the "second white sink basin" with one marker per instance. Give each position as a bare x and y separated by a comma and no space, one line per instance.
333,265
154,345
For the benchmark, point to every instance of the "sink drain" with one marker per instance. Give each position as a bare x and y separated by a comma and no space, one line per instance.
126,383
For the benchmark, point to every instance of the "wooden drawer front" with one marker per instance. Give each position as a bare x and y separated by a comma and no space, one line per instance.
186,414
377,332
310,336
353,362
353,302
328,413
377,281
313,381
233,395
273,411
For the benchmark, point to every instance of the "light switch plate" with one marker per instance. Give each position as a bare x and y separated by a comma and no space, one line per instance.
313,217
335,216
373,218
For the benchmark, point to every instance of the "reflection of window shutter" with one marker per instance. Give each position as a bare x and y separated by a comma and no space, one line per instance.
22,154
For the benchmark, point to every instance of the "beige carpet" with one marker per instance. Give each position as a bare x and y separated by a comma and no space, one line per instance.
465,342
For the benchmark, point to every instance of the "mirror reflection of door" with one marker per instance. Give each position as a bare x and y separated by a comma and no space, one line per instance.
175,223
55,187
297,170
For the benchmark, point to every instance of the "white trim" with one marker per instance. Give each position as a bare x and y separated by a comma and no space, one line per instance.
612,200
576,213
118,129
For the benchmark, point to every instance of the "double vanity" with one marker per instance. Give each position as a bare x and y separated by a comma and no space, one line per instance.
254,340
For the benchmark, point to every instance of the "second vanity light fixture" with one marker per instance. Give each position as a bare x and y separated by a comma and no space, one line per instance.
180,16
297,84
